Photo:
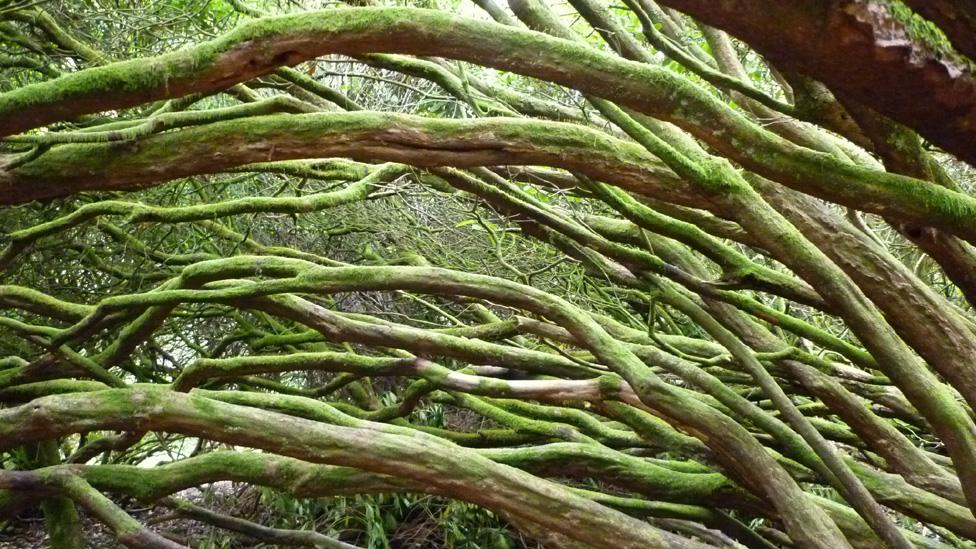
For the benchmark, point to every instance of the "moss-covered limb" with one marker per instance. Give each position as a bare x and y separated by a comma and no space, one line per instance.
923,505
695,529
569,459
16,37
585,422
739,404
12,361
501,329
801,328
277,536
675,28
859,533
134,332
830,465
363,135
27,62
168,121
737,268
598,16
108,443
293,476
684,411
59,481
929,325
712,224
495,329
202,370
29,299
796,448
246,242
871,30
728,61
710,384
60,361
956,19
136,212
694,346
29,391
899,452
24,157
31,332
447,80
369,447
711,517
331,169
336,327
679,153
318,88
522,424
127,530
246,383
902,151
60,516
441,377
300,479
515,200
43,21
647,478
282,85
935,402
605,266
655,430
956,257
483,438
130,242
889,402
342,414
62,524
647,89
261,341
90,366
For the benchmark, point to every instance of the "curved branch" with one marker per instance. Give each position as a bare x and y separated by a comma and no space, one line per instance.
372,447
258,47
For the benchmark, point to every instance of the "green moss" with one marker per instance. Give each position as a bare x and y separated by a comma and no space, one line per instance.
924,32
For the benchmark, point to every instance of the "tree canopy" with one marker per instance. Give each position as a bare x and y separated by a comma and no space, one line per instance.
462,273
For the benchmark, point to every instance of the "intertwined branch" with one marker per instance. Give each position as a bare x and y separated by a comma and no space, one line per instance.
607,274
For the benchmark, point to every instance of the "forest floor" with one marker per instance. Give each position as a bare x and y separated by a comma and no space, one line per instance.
28,532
